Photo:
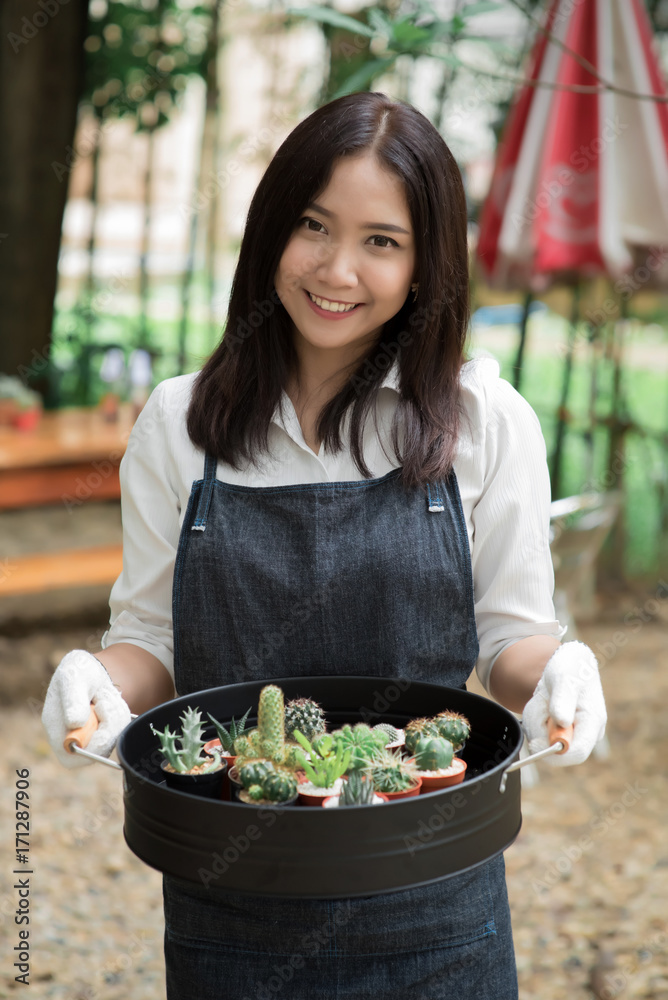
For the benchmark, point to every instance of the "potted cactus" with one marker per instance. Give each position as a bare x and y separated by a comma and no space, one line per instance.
263,784
325,761
417,728
268,740
394,777
357,790
305,715
453,727
436,763
225,741
186,767
364,743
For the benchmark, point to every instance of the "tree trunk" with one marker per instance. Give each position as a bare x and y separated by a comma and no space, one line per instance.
41,71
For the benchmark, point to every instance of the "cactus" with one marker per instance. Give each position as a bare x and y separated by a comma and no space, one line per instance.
189,755
227,737
453,727
417,728
393,735
433,753
305,715
254,771
327,764
363,742
279,786
270,723
357,791
391,778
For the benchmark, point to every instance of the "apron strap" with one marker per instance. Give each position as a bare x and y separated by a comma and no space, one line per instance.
435,502
210,466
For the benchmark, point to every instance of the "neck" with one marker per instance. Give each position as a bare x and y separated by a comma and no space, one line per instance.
319,375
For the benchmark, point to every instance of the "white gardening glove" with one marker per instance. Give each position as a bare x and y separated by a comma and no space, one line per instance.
570,694
78,680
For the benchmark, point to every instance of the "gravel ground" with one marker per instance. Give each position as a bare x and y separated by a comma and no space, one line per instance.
588,875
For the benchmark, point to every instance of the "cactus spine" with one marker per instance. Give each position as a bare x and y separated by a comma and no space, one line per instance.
305,715
453,727
393,734
417,728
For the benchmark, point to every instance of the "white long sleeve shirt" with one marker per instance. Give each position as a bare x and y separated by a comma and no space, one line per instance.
501,471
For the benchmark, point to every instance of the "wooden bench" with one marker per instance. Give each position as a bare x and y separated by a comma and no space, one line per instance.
72,457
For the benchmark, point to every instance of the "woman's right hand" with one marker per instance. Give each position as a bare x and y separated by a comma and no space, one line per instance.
79,680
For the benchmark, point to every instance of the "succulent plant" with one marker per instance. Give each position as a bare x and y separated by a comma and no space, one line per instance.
254,772
393,734
189,755
391,778
432,753
358,790
227,737
453,727
279,786
305,715
363,742
326,764
268,739
417,728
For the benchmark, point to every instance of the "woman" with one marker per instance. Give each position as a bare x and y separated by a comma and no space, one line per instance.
337,454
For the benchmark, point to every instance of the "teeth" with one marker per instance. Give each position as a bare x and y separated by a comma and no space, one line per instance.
330,306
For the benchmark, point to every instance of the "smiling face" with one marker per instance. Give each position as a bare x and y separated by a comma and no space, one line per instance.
353,247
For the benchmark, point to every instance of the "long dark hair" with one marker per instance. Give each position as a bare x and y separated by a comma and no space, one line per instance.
236,393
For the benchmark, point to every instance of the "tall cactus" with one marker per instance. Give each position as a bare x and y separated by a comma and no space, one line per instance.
270,723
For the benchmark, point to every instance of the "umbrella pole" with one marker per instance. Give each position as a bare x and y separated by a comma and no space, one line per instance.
517,371
563,415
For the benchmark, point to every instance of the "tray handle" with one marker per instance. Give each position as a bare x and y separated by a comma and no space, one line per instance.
560,740
77,739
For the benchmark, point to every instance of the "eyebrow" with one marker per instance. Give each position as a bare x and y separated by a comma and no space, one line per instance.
364,225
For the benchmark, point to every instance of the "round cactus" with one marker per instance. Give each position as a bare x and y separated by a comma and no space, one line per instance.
433,753
391,779
305,715
393,734
453,727
279,787
364,744
254,772
417,728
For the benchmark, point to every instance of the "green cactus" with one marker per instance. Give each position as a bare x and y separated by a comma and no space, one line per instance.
358,790
254,772
189,755
305,715
433,753
270,723
326,764
363,742
227,737
453,727
417,728
393,735
391,778
279,786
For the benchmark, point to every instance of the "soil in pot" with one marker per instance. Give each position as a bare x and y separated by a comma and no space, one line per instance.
208,785
453,775
311,795
243,796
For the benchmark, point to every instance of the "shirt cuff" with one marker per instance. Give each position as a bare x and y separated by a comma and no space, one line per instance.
155,639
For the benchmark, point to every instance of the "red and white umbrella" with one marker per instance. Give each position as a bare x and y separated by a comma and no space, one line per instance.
580,186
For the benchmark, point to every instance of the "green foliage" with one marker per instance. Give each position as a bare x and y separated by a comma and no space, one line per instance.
326,764
305,715
279,787
227,737
254,772
357,790
433,753
270,723
189,755
392,778
363,743
453,727
263,781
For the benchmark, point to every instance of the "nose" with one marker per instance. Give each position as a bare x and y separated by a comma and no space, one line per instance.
338,266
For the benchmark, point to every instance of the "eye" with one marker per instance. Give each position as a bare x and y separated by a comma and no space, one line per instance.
389,241
307,220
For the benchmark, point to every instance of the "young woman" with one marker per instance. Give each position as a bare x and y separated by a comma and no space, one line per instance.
338,453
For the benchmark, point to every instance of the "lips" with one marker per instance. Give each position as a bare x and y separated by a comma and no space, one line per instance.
326,312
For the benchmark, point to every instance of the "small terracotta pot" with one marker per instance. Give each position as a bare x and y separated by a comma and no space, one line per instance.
453,776
312,798
332,801
208,786
235,783
407,793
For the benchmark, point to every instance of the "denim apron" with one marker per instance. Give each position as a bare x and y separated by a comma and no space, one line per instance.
331,578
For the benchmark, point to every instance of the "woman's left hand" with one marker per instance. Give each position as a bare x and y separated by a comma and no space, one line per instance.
569,693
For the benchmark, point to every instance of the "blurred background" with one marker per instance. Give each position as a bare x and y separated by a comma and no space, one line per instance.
132,137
